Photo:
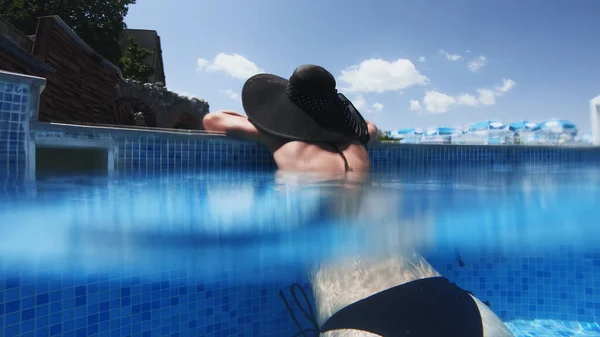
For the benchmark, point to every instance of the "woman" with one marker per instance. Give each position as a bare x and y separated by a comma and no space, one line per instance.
309,126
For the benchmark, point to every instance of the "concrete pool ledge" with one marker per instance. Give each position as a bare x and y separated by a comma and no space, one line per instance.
116,131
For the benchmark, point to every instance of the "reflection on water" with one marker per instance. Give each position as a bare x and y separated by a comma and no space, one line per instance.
244,223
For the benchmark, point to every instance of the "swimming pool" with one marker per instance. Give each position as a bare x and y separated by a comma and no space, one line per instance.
190,235
206,254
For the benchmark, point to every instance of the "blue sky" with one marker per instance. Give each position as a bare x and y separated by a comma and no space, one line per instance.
403,63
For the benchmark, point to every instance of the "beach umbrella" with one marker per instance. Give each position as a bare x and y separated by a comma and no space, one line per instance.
442,131
408,132
523,125
486,125
557,126
407,135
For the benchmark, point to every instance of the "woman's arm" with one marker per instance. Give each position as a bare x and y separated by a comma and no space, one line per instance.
237,125
231,123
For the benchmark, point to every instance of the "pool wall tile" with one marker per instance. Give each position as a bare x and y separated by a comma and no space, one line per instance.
13,104
143,152
562,284
98,304
19,99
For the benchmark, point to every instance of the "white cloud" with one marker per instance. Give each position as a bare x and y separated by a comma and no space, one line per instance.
377,107
507,84
437,102
362,106
234,65
377,75
231,94
415,105
468,51
359,103
201,64
466,99
477,63
451,57
422,59
486,96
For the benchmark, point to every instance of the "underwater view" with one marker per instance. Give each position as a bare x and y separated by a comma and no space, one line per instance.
266,169
174,253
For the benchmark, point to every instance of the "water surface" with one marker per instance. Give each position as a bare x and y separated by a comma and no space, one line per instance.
248,224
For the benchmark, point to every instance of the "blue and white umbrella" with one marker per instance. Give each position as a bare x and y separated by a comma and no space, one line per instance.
408,132
557,126
523,125
486,125
442,131
410,135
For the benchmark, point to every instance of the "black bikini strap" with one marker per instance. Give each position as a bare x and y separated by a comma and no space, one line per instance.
346,166
310,315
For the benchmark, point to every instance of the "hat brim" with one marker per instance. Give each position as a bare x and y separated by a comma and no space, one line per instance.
268,107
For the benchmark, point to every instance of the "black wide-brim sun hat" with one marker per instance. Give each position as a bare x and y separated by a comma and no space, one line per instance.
307,107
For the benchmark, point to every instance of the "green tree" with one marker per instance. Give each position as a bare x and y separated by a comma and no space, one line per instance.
132,63
97,22
384,135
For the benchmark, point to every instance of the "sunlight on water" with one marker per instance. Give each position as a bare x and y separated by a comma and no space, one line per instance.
532,328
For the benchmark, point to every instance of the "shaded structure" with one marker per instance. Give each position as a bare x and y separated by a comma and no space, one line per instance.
160,107
84,88
150,40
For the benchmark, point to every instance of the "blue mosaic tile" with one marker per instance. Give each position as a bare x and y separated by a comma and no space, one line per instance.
144,153
390,158
149,155
544,295
13,112
90,304
563,284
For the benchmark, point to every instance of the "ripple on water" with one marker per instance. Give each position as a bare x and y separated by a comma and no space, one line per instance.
553,328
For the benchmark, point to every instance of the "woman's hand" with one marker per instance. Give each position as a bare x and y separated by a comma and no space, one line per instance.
372,132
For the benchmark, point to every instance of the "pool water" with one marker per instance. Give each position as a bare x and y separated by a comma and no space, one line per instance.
537,328
206,254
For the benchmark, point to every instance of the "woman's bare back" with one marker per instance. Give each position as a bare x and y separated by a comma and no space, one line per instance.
302,156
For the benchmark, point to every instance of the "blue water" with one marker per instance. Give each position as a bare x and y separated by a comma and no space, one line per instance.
529,238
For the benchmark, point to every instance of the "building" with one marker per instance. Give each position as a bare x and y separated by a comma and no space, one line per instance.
148,39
